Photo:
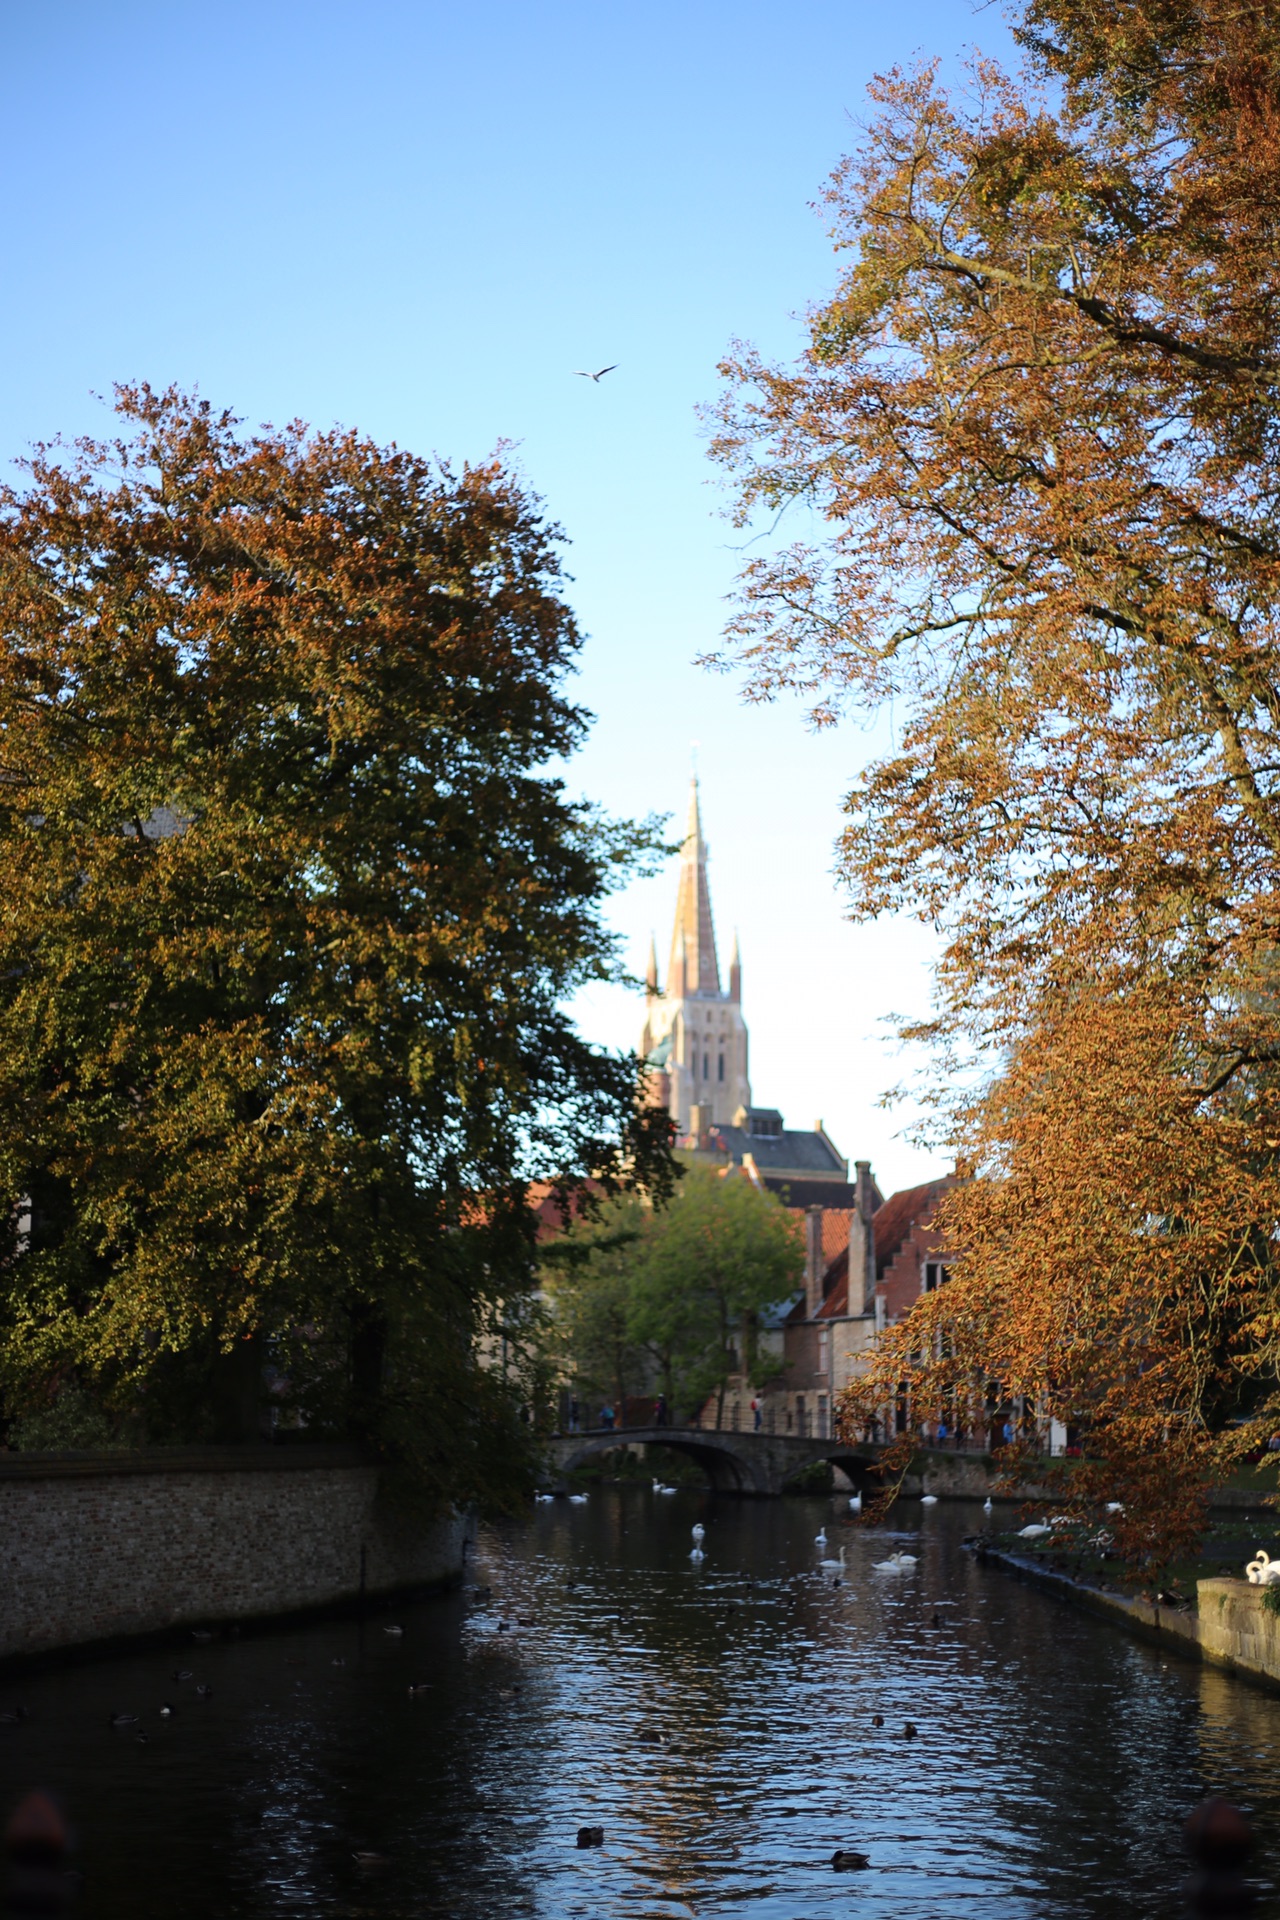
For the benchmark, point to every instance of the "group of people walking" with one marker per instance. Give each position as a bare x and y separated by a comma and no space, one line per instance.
608,1415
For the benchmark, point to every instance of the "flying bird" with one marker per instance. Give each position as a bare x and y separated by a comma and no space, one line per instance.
579,374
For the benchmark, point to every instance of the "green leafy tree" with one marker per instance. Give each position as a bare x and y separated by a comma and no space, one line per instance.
722,1252
289,907
591,1279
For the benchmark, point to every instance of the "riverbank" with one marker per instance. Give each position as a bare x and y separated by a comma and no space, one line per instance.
1229,1625
976,1476
100,1549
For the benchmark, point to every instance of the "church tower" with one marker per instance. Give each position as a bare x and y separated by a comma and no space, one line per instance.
693,1032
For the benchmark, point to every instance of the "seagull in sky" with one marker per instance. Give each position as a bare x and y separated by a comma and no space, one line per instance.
578,373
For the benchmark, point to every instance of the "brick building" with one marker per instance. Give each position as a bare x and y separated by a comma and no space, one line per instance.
867,1260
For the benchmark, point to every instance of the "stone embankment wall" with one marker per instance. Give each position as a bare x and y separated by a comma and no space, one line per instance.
1229,1627
1236,1630
964,1476
98,1547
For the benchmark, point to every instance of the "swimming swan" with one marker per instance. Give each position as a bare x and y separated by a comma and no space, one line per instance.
697,1556
896,1563
820,1537
699,1533
833,1566
928,1499
855,1503
577,1499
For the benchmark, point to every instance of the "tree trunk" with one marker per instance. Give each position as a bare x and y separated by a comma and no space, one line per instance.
237,1393
368,1368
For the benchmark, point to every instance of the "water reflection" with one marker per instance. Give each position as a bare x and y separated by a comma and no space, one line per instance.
718,1721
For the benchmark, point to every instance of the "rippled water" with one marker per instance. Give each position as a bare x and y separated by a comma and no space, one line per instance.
716,1721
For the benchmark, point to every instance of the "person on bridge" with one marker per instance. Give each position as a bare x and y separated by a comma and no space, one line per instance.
661,1418
757,1414
607,1417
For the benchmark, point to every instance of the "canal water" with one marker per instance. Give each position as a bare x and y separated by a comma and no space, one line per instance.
718,1720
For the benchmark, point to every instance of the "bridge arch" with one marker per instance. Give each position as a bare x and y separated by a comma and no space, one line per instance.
730,1466
734,1462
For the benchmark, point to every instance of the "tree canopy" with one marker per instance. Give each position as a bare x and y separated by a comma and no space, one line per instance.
291,904
1038,418
668,1299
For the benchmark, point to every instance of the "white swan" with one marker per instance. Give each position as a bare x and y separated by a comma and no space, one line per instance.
1262,1571
986,1505
896,1563
833,1566
1036,1531
820,1537
661,1489
577,1499
542,1498
855,1503
928,1499
697,1556
699,1533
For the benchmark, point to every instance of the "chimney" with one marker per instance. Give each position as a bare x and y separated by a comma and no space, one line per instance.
862,1241
812,1261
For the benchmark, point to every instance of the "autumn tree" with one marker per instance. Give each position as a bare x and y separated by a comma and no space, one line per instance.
1038,420
290,905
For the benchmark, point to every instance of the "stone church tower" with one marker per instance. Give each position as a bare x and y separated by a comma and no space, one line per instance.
694,1034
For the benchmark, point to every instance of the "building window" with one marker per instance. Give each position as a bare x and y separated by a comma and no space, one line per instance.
935,1275
720,1069
706,1066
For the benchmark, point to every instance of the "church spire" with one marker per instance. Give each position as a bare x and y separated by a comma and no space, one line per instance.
651,972
735,970
693,930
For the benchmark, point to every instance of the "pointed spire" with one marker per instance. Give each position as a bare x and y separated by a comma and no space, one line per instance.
678,970
735,970
693,929
651,972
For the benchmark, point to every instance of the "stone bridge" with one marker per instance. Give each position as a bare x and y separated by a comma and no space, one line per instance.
749,1463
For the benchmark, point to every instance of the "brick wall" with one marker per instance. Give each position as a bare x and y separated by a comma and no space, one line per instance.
93,1547
902,1280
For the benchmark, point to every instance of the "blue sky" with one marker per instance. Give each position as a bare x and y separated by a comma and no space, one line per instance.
418,219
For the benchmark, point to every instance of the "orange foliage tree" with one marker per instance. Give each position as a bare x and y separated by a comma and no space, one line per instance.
1038,417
